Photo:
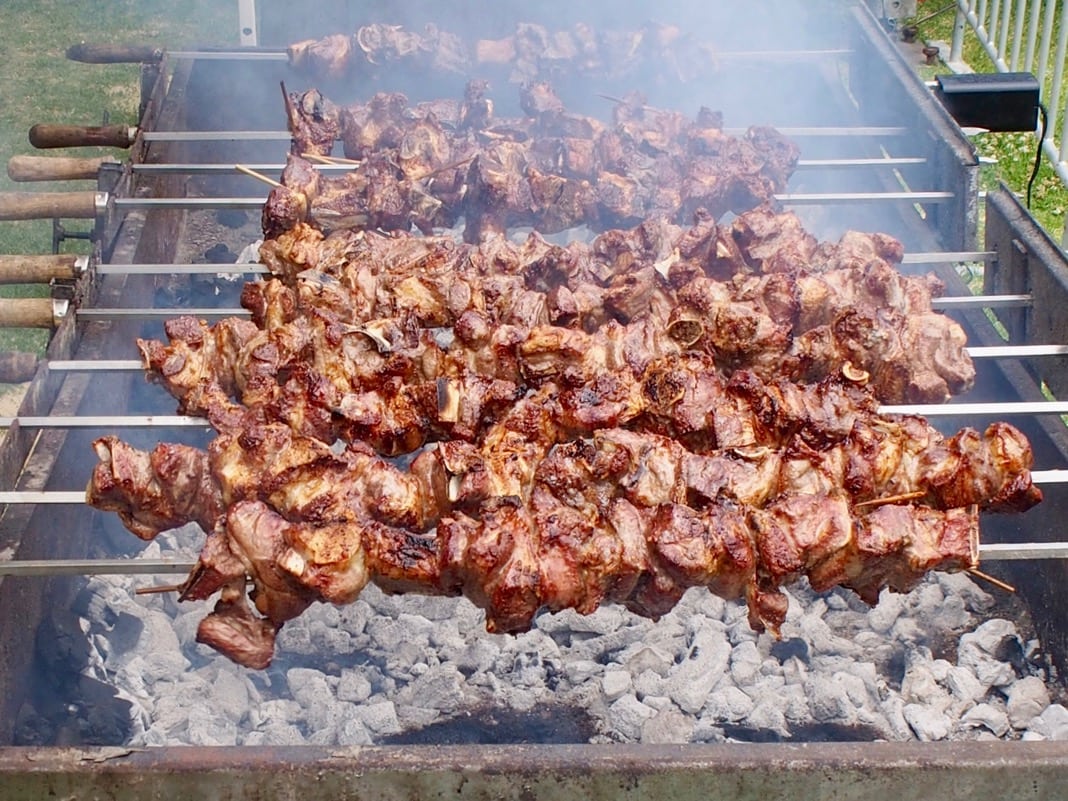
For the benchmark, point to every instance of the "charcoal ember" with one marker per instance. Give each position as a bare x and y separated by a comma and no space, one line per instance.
1026,700
930,725
667,726
1051,724
627,715
987,716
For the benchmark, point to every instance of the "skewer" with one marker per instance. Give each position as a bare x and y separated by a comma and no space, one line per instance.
982,301
988,552
184,421
271,54
94,567
285,136
182,269
949,256
889,161
135,365
1015,351
986,301
992,408
796,198
159,589
889,499
338,164
158,314
975,352
316,157
1012,551
452,166
995,581
1049,476
259,176
331,160
107,421
801,198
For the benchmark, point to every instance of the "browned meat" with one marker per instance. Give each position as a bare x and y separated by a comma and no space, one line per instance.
553,170
531,53
156,491
519,523
602,423
314,122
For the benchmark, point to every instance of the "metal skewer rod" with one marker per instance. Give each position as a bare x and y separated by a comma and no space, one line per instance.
1049,476
187,203
182,269
77,497
988,552
212,168
183,421
796,198
285,136
1015,351
282,55
991,301
158,314
890,161
799,198
121,365
999,551
50,497
993,408
107,421
982,301
94,567
949,256
95,365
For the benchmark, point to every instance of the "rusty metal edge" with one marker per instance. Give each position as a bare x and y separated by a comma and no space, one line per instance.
861,771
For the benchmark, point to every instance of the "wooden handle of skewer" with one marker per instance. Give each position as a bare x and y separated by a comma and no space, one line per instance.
55,168
45,135
26,313
16,366
38,269
113,54
47,205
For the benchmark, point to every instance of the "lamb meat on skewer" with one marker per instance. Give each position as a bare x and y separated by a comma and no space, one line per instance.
626,517
553,170
531,53
498,298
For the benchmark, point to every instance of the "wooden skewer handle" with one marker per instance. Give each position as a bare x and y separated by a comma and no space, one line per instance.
113,54
45,135
16,366
26,313
38,269
55,168
47,205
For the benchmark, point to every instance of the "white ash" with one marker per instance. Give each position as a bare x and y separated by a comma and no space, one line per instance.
386,666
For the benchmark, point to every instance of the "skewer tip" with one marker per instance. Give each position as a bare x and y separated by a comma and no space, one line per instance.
1001,585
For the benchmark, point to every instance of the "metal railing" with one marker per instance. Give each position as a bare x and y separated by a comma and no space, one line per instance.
1018,36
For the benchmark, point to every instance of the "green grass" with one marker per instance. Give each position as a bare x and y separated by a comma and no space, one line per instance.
39,84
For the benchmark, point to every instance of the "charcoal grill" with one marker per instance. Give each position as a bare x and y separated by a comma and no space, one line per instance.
889,158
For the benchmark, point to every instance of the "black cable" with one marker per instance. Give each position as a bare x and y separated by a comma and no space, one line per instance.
1038,155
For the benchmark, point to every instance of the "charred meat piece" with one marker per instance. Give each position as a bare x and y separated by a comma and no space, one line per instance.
523,523
552,170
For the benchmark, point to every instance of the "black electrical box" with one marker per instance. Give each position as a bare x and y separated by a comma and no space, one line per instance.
999,101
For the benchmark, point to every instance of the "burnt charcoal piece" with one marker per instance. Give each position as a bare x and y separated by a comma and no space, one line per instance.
219,254
232,218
